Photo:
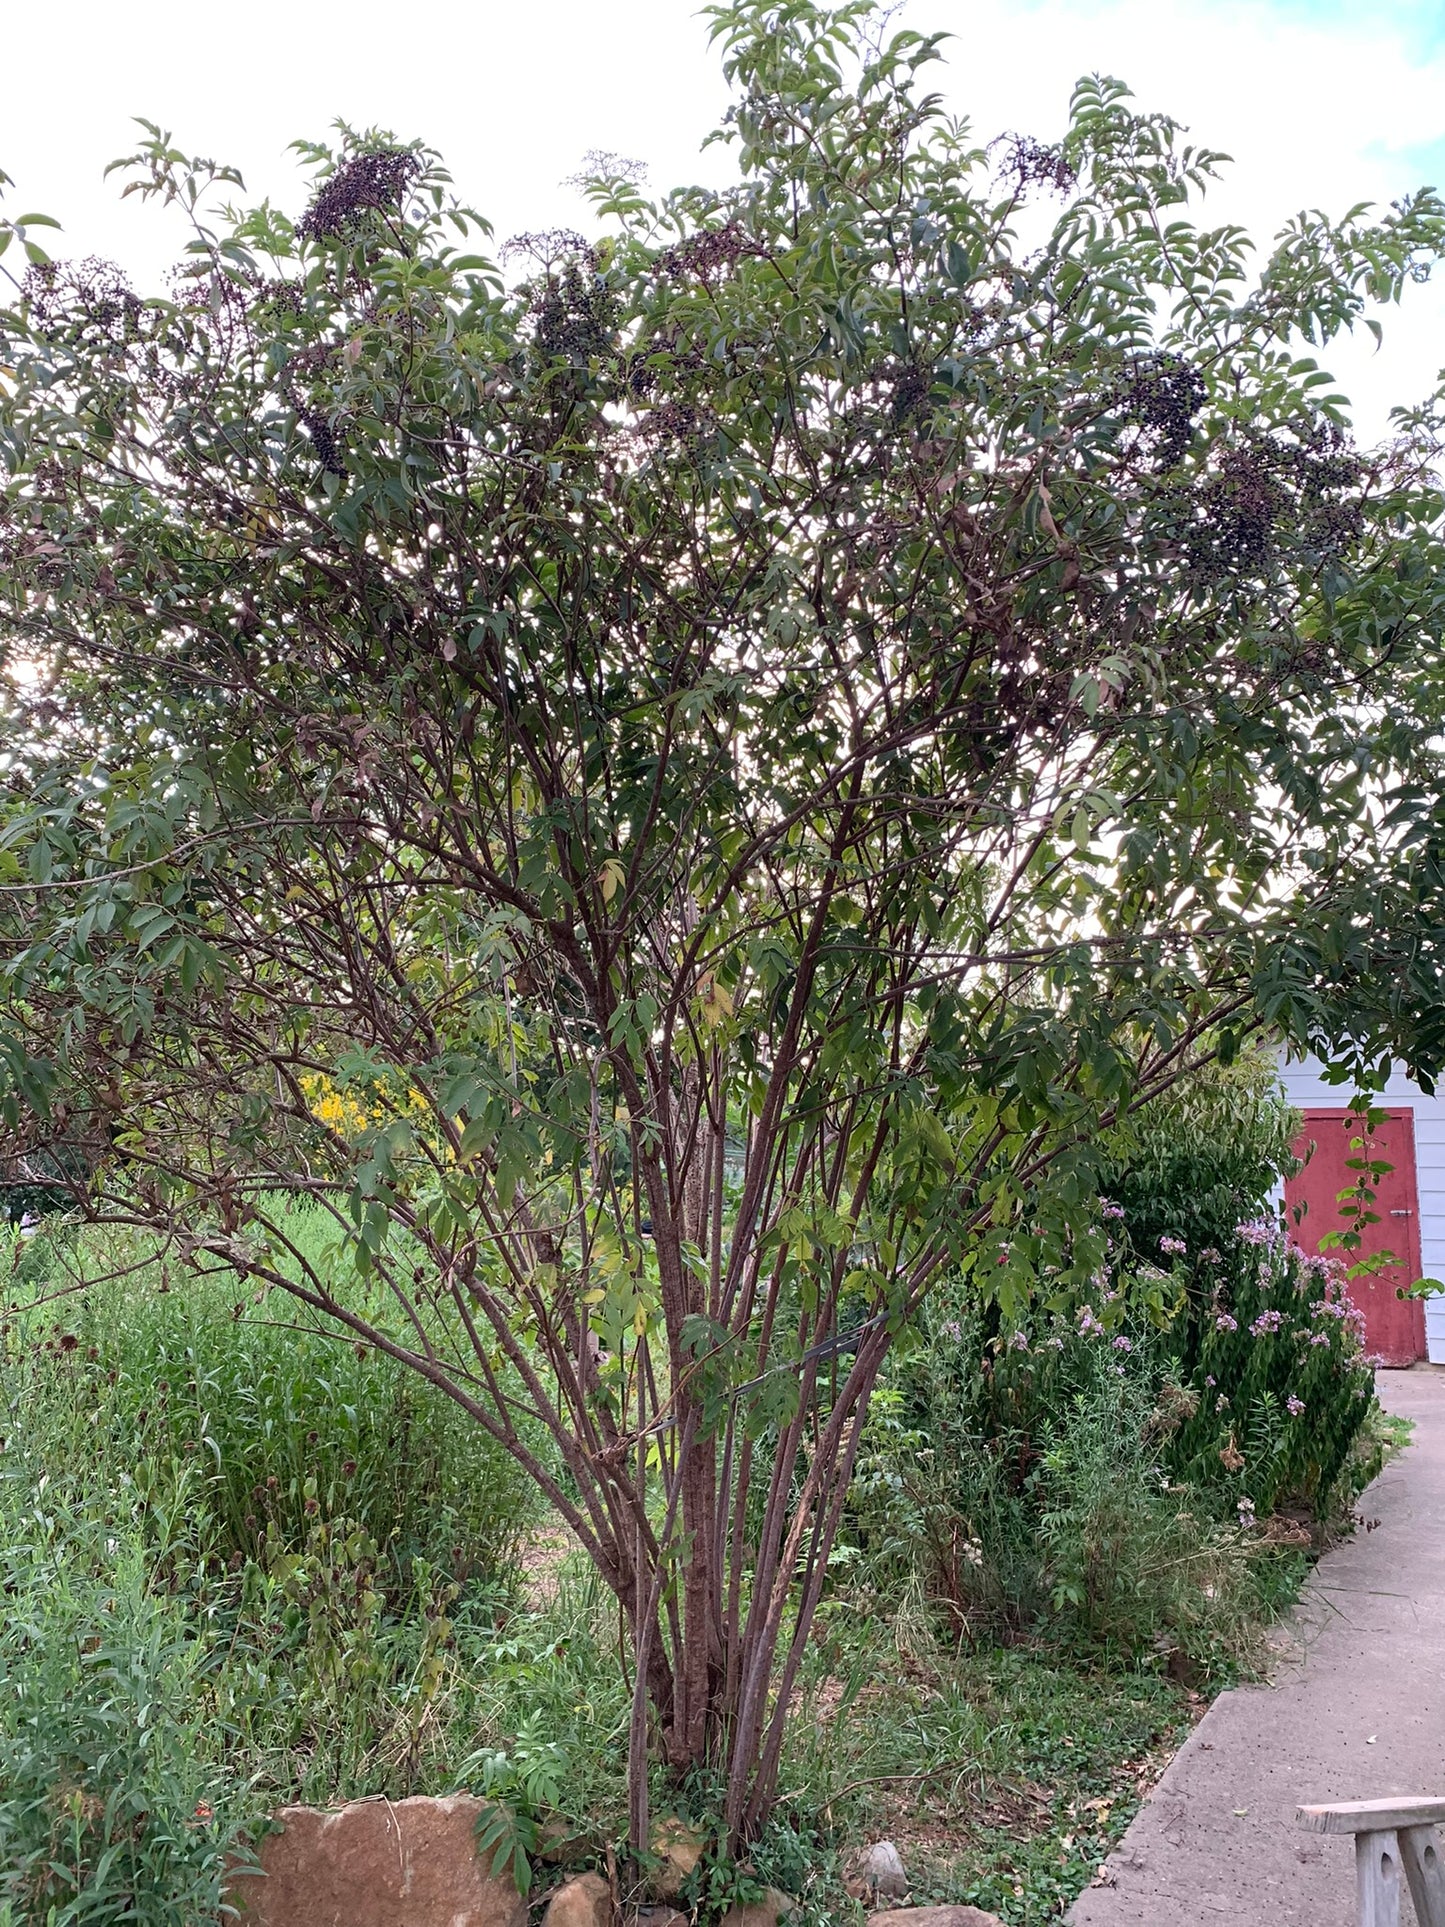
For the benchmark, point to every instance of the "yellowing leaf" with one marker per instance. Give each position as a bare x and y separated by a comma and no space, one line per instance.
715,1001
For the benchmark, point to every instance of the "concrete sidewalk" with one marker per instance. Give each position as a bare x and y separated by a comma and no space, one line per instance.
1356,1710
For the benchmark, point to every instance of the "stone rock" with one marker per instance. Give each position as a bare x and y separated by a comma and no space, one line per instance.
881,1868
584,1902
770,1911
560,1844
934,1917
656,1917
376,1863
678,1850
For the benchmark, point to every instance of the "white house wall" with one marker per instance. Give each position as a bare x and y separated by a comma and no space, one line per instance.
1306,1089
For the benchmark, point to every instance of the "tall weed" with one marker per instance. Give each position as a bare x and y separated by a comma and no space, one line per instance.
1034,1483
117,1801
244,1564
282,1420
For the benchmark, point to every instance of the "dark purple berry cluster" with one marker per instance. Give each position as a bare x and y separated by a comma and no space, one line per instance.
574,314
89,302
704,256
323,440
1162,394
1276,493
371,183
1029,163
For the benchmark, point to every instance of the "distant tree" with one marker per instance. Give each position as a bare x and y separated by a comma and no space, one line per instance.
679,796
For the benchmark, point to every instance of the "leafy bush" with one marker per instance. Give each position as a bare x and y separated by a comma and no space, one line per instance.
1203,1159
1275,1359
1263,1338
1034,1474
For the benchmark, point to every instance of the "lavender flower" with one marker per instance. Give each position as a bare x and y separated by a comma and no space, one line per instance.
1088,1323
1267,1321
1123,1344
1173,1247
1294,1406
1224,1323
1257,1232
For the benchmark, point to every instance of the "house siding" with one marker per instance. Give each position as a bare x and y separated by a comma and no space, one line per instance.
1306,1088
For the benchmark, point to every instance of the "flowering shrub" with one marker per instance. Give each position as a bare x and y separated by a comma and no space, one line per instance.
1101,1468
1025,1475
1277,1358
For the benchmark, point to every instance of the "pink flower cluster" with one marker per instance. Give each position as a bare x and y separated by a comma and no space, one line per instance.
1294,1406
1267,1321
1258,1231
1172,1247
1224,1323
1341,1309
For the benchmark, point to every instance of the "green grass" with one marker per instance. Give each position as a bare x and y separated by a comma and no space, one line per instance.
1003,1776
243,1565
1392,1432
246,1564
278,1418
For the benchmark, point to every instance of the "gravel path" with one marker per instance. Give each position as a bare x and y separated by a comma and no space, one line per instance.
1356,1710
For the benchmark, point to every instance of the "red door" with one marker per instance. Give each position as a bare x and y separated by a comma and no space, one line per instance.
1394,1327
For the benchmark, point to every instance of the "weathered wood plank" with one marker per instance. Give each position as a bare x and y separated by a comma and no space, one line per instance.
1371,1816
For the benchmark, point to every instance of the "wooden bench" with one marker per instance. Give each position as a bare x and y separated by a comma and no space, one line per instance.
1390,1836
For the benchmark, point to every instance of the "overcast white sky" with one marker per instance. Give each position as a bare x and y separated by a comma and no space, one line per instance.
1320,102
